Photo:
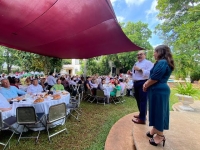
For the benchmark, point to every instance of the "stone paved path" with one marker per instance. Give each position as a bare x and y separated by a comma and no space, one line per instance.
184,134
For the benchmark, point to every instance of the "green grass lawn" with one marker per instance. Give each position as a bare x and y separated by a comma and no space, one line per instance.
88,134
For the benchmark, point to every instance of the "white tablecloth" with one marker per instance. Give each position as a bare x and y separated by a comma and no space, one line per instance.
39,107
7,114
108,89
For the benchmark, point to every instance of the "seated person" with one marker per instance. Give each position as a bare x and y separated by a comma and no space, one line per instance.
81,81
12,82
65,83
72,82
116,88
17,82
129,86
43,83
4,104
87,84
100,86
10,92
122,84
58,86
93,84
34,87
27,81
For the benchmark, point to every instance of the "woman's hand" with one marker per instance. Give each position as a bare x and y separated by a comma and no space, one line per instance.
144,87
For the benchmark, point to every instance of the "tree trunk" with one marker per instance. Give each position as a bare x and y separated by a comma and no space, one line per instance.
9,68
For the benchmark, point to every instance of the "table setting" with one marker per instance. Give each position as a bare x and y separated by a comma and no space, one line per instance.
40,101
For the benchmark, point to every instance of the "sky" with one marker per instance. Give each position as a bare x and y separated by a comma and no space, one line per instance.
138,10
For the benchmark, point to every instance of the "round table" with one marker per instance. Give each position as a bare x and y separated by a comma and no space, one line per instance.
42,107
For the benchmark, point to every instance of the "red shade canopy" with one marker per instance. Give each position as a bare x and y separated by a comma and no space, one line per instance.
62,28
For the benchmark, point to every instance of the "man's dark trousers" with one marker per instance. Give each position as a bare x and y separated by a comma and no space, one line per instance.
141,98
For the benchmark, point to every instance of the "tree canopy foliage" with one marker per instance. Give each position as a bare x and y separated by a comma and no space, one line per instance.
181,30
28,61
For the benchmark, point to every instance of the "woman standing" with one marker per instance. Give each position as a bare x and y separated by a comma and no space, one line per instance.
158,94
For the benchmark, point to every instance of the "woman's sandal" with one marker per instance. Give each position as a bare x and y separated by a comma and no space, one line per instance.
149,134
152,142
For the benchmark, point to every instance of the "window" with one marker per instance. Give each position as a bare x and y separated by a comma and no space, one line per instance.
76,61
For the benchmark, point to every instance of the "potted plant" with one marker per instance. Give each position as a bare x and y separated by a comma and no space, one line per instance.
186,94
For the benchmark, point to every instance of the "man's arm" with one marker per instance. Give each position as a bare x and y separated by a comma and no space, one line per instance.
20,92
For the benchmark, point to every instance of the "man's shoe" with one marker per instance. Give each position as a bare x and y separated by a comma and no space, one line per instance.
136,116
138,121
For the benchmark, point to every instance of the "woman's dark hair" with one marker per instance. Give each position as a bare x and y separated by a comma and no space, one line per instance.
164,52
57,80
11,80
121,80
62,78
116,83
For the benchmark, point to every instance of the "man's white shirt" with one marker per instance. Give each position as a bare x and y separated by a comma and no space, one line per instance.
146,66
34,89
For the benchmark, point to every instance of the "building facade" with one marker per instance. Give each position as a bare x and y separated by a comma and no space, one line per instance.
71,69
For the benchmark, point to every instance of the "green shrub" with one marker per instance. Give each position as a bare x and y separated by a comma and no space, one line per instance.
195,75
186,89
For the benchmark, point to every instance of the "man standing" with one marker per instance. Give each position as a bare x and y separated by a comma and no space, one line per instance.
51,80
140,73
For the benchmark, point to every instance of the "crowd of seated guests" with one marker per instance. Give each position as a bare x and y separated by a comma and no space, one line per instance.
119,83
10,86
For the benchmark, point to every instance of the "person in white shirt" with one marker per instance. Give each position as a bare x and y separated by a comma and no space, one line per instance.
34,87
129,86
2,77
140,74
4,104
51,80
122,84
